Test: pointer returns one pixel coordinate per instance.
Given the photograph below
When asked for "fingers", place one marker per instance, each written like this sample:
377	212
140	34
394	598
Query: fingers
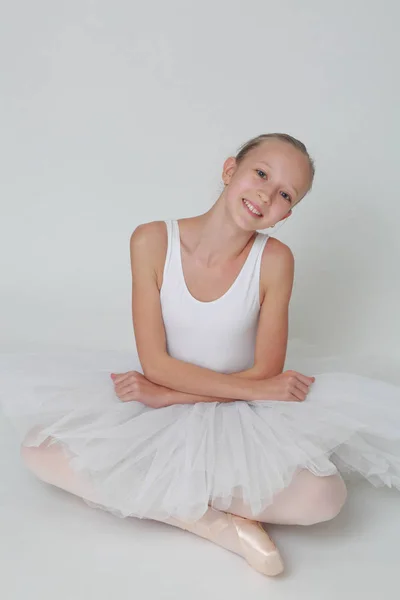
298	394
304	379
127	397
302	387
118	377
124	387
127	385
129	392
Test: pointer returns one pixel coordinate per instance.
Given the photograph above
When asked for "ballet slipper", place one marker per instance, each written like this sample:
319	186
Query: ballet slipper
258	548
239	535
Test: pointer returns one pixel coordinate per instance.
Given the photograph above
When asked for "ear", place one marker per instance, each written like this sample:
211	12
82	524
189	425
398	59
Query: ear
228	169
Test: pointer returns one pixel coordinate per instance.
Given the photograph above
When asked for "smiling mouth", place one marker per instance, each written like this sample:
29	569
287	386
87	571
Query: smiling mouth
251	208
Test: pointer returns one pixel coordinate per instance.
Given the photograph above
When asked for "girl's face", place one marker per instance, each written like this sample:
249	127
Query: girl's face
266	185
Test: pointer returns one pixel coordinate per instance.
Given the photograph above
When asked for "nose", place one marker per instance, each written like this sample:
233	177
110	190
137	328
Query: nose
265	197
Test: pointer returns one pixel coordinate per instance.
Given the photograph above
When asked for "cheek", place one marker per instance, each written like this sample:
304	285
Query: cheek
234	192
242	187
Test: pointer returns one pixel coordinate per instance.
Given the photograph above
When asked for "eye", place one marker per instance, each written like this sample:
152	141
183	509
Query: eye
259	171
286	196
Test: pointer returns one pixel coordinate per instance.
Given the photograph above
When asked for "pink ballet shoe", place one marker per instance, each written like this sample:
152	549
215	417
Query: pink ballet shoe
242	536
258	548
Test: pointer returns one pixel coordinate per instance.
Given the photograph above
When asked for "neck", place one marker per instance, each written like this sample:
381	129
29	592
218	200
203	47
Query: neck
213	236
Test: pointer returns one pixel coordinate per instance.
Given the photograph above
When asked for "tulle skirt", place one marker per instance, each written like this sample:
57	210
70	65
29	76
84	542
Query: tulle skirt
178	460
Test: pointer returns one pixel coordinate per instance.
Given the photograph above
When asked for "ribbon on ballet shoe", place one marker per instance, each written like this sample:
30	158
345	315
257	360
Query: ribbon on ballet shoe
258	548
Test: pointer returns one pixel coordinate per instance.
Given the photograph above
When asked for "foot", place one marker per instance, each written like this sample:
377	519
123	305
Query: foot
257	547
242	536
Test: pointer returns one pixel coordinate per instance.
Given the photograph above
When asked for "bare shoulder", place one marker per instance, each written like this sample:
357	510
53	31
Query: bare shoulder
277	264
276	251
148	247
152	234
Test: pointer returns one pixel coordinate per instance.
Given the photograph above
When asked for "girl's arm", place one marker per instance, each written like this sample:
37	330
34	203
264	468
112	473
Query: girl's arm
175	397
148	249
276	282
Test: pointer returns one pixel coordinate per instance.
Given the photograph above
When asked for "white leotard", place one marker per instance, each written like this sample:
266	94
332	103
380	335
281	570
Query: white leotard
221	334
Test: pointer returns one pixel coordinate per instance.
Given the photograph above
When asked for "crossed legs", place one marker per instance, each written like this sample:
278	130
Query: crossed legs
308	499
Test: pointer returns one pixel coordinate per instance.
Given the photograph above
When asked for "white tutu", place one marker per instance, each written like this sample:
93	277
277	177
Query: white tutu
175	461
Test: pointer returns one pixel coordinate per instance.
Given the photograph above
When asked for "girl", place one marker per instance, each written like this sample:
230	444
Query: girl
209	433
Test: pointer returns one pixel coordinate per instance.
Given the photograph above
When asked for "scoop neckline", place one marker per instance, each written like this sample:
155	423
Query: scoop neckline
231	287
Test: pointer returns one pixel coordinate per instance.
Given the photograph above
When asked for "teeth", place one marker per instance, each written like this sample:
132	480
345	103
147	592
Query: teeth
251	207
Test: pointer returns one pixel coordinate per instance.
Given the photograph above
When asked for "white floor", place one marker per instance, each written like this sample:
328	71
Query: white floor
53	546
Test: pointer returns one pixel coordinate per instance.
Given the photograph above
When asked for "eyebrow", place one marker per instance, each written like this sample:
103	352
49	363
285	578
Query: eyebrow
265	163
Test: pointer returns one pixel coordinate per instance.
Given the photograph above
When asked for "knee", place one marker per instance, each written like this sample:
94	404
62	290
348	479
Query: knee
31	457
327	498
49	463
35	458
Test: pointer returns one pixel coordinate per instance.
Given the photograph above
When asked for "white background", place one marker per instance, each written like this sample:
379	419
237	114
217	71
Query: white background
117	113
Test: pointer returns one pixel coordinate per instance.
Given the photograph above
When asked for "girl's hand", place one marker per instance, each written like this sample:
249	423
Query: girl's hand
289	386
134	386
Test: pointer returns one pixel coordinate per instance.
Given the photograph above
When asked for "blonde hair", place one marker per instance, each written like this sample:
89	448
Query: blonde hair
284	137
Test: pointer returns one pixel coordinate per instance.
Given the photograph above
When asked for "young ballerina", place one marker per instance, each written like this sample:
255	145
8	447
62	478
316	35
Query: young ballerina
209	433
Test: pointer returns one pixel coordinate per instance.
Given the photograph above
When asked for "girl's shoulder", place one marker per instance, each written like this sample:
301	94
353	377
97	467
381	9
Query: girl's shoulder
148	245
274	249
151	232
277	263
150	236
